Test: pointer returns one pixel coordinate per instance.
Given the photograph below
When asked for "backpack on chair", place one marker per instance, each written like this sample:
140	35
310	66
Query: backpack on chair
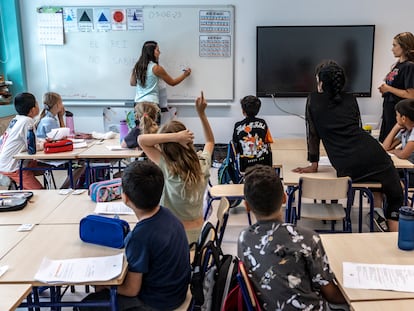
213	273
229	173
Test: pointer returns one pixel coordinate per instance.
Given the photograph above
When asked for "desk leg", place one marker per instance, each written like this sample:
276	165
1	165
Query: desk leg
113	299
370	196
406	183
87	173
290	191
21	174
70	174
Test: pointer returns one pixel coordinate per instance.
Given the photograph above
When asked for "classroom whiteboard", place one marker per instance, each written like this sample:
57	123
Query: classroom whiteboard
96	65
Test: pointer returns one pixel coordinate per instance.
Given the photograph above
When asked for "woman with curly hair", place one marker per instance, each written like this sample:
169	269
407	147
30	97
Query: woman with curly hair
185	171
333	117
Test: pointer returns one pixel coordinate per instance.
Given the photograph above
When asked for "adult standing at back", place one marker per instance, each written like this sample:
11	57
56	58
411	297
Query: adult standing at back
147	73
333	117
399	82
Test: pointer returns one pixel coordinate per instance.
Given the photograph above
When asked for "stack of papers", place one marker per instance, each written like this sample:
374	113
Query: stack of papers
114	208
115	147
80	270
379	276
79	143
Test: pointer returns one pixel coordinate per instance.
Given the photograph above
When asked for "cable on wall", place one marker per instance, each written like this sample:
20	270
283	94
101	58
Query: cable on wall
285	111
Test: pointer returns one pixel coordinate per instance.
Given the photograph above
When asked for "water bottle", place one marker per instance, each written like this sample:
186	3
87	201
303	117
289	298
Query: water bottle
123	130
406	228
69	123
31	141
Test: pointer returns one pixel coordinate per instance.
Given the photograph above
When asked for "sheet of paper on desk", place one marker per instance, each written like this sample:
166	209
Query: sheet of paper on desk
115	147
324	161
79	270
115	208
379	276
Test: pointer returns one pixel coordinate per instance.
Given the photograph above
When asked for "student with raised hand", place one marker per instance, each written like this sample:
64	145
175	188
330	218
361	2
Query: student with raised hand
287	264
402	134
156	249
51	116
333	117
147	72
186	172
399	82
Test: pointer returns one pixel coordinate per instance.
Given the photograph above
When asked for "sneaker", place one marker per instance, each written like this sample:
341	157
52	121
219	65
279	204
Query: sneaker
380	223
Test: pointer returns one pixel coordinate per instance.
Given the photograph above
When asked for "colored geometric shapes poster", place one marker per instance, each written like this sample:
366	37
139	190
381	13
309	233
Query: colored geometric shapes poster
102	19
85	19
70	19
119	19
135	19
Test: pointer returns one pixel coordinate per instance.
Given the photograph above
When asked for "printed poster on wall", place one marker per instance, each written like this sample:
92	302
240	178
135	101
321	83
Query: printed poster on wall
50	25
85	19
135	19
119	19
70	20
102	19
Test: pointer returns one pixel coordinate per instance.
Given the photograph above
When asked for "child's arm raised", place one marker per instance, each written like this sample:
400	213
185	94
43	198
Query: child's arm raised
201	105
149	142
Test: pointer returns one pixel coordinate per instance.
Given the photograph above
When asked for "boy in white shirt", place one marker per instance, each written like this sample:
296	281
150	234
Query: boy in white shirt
14	140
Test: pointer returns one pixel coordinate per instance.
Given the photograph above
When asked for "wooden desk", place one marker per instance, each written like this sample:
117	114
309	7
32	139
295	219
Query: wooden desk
54	242
373	248
40	155
9	238
72	210
99	150
39	207
383	305
11	295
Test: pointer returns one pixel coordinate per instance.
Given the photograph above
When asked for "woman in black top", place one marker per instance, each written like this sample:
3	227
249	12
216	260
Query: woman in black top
333	117
399	82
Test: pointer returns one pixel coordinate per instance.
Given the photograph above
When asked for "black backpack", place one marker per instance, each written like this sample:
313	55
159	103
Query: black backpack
229	173
213	273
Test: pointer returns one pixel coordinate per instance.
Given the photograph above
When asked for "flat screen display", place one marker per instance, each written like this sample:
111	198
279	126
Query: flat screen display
288	55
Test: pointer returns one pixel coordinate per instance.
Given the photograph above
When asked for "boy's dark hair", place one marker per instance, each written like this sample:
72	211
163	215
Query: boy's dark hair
263	189
405	107
23	103
251	105
143	183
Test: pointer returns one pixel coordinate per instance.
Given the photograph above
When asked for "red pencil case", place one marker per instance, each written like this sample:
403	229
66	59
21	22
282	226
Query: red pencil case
58	146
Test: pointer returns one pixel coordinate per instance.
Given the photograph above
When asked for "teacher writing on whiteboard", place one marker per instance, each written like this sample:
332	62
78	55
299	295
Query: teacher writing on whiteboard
146	74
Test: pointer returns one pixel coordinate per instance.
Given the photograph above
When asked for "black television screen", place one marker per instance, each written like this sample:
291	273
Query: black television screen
287	56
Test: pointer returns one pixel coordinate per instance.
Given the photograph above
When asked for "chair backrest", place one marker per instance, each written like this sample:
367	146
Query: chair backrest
325	188
222	217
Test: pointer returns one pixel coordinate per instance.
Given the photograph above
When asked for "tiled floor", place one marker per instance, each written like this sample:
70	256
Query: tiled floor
237	221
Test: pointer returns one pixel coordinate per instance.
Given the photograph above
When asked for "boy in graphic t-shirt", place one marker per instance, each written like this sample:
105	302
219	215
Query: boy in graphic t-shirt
251	136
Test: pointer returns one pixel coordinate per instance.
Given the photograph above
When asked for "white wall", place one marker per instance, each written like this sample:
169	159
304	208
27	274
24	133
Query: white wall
390	18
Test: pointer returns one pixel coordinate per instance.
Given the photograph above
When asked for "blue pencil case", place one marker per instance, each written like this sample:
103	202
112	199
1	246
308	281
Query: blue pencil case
104	231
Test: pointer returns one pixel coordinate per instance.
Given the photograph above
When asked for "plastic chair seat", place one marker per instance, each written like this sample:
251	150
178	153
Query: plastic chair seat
323	211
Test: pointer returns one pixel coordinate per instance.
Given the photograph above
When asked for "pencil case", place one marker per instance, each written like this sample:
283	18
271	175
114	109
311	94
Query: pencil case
106	190
14	201
58	146
104	231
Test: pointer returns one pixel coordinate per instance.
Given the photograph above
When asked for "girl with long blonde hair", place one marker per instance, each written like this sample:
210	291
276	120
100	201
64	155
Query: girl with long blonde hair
185	171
